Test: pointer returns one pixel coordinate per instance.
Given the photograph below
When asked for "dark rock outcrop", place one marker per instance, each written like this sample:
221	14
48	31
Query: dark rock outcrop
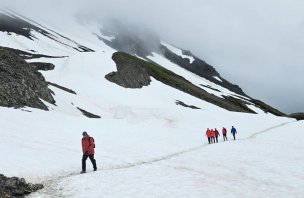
88	114
200	68
16	187
298	116
27	55
42	66
62	88
13	23
130	74
20	84
185	105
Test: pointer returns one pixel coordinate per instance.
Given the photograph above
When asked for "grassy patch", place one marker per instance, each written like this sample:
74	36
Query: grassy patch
178	82
267	108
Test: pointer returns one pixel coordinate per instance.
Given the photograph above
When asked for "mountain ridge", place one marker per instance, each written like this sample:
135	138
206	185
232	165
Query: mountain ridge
133	45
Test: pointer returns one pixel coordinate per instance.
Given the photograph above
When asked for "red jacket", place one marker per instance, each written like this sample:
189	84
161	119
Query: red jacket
208	133
224	131
212	133
88	145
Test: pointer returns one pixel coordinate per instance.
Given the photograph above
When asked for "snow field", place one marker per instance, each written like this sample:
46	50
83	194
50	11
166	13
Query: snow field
146	145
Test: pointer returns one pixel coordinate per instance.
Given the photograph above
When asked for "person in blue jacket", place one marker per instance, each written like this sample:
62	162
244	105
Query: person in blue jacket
233	132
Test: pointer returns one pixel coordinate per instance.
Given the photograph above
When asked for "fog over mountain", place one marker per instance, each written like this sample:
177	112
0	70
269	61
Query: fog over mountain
257	44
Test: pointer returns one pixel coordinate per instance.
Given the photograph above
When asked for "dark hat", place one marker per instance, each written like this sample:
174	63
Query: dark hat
84	133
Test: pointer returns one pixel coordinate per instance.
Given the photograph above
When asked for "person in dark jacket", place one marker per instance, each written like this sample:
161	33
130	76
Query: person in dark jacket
233	132
224	132
88	151
216	134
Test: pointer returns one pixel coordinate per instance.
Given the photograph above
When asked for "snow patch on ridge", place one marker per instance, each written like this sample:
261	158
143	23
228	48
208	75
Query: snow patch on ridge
177	51
108	38
217	78
193	78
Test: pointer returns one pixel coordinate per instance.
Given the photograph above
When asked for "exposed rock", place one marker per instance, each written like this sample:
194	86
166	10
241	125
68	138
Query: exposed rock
11	23
185	105
62	88
16	187
124	60
298	116
20	84
262	105
42	66
200	68
209	87
129	39
27	55
88	114
130	74
143	43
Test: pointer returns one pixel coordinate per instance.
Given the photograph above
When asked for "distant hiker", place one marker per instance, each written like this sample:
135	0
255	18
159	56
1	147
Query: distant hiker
224	132
212	136
233	132
208	134
88	146
216	134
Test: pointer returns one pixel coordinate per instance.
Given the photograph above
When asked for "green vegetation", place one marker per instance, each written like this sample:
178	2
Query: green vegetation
171	79
267	108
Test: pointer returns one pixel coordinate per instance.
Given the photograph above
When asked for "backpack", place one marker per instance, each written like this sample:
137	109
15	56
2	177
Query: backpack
93	141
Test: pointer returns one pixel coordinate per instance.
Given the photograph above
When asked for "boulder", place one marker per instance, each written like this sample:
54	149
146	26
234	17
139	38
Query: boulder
16	187
298	116
130	74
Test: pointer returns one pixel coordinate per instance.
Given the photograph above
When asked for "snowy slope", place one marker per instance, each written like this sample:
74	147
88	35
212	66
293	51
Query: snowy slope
146	145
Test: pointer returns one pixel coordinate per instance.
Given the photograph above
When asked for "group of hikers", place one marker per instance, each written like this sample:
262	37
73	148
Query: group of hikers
88	144
213	134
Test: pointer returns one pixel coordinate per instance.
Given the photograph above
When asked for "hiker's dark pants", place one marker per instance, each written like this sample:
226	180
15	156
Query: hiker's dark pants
216	138
233	135
84	159
209	140
212	140
225	137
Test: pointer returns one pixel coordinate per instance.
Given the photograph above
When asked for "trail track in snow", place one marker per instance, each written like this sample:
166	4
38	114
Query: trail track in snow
50	184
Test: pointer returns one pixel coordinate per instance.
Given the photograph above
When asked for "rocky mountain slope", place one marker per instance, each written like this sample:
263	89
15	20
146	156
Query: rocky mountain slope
128	71
21	84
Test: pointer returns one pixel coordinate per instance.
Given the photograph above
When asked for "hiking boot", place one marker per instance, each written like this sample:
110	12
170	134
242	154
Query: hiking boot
95	169
83	172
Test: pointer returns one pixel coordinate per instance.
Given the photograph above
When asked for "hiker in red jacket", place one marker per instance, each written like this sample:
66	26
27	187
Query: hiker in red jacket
212	136
88	145
224	132
208	134
216	134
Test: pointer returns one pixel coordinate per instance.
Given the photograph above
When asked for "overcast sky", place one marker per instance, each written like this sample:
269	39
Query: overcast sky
257	44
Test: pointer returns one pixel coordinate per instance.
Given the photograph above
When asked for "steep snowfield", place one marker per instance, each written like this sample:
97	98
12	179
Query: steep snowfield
146	145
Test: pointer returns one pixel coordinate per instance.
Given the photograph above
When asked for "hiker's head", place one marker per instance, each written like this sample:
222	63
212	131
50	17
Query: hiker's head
84	134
